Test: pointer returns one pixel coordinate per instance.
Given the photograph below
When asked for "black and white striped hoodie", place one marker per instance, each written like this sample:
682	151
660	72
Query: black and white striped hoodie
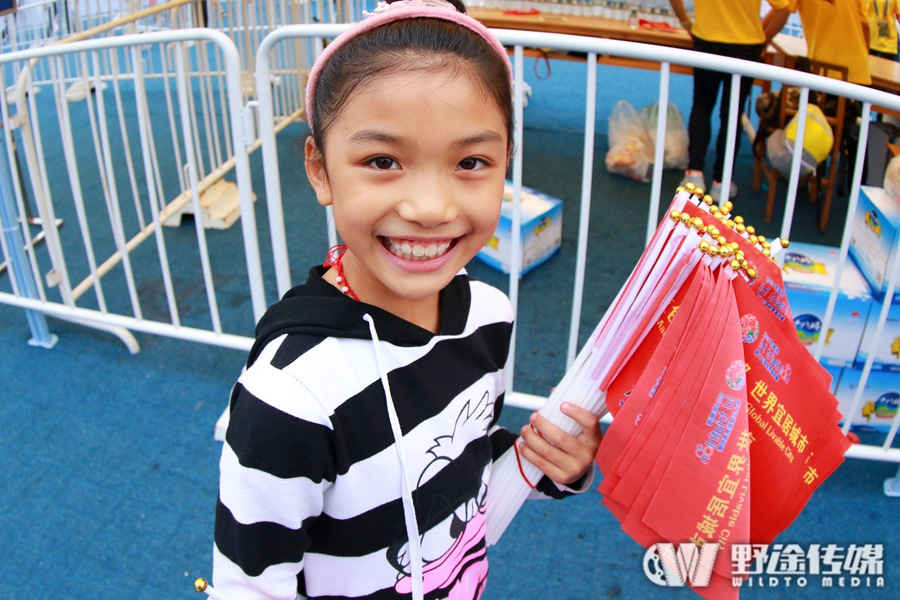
312	501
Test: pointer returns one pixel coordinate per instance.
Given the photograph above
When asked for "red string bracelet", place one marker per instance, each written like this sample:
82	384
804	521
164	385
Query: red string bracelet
519	461
333	260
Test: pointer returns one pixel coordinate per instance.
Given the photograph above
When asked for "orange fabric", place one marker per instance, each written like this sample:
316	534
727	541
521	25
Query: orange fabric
831	37
731	22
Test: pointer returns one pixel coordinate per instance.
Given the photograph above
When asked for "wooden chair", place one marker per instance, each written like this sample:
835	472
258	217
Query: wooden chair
820	178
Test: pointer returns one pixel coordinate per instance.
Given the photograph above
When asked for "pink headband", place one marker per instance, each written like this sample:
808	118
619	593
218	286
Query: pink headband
387	13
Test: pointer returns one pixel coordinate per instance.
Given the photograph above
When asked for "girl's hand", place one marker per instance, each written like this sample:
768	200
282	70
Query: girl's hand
562	457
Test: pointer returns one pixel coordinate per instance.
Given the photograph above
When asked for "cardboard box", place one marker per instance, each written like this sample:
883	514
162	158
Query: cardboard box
878	404
835	373
874	232
887	350
541	231
809	272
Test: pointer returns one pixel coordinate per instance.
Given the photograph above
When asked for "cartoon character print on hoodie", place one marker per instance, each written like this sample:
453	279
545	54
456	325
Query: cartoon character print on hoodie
454	551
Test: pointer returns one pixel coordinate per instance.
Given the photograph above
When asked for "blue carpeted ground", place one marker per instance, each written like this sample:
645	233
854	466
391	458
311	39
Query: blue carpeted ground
109	469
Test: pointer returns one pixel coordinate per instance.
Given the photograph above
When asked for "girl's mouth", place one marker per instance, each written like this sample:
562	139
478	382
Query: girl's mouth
417	250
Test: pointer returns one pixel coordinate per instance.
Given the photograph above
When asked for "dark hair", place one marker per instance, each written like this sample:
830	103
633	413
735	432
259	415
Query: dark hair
409	45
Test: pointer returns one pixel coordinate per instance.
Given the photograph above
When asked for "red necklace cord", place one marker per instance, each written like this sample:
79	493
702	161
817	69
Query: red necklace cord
519	461
333	260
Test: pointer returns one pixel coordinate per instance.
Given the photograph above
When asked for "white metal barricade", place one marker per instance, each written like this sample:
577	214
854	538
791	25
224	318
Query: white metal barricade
248	23
42	22
592	47
140	179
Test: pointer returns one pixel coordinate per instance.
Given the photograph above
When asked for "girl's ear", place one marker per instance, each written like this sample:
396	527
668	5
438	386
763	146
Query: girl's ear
315	172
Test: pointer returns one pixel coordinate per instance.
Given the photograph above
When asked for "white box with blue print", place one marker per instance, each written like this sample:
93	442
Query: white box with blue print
875	230
879	402
809	272
541	228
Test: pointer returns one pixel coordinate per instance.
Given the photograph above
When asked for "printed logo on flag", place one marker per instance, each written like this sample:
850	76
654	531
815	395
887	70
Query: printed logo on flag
786	565
721	419
668	566
736	375
749	328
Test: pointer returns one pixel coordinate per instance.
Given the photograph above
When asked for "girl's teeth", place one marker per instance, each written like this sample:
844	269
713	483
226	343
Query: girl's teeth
418	252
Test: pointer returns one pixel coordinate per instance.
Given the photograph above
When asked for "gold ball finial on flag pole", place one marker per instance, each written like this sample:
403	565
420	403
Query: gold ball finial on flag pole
738	220
751	230
785	242
200	585
753	239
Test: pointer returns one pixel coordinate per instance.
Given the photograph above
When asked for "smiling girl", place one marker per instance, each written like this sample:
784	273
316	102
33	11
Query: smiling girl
362	434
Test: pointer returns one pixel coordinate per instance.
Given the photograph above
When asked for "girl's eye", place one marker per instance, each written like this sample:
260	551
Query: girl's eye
471	164
383	163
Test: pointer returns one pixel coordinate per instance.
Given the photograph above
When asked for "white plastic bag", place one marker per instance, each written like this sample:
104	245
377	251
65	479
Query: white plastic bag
630	147
675	155
892	178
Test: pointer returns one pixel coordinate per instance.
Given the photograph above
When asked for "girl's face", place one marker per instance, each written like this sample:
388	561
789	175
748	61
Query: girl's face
414	170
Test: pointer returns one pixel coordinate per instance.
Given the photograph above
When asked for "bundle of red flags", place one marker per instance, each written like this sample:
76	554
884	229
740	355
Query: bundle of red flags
724	423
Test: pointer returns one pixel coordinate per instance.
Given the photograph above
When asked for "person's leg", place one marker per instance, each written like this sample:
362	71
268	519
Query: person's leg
706	92
751	52
886	55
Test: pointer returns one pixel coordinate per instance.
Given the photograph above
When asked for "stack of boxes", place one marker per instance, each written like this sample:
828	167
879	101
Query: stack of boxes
809	272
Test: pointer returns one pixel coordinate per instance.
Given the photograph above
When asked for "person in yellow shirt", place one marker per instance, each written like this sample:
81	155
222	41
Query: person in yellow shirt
732	29
883	16
833	36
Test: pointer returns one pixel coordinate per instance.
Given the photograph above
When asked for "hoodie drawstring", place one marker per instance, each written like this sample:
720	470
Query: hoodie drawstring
409	509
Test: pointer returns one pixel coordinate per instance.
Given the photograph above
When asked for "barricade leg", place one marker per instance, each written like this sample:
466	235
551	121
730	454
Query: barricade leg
37	322
892	486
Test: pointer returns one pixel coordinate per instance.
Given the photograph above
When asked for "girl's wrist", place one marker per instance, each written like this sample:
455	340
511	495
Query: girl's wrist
687	23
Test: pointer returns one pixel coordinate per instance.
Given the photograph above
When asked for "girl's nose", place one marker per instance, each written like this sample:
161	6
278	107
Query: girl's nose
429	207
